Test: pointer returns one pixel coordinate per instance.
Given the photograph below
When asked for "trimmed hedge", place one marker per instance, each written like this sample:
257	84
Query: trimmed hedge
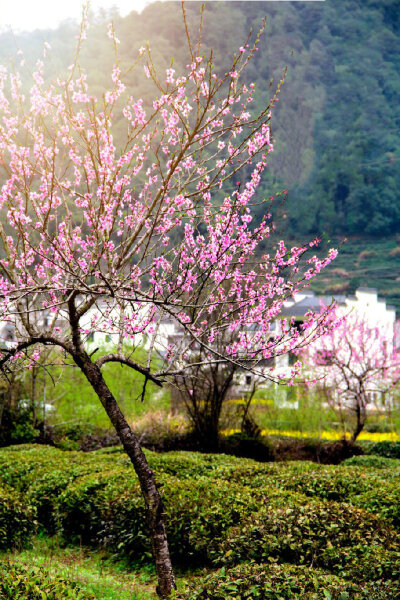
35	584
96	499
17	519
220	509
249	581
347	541
383	500
387	449
107	509
372	460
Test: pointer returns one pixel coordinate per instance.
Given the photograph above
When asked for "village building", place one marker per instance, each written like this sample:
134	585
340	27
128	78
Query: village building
366	302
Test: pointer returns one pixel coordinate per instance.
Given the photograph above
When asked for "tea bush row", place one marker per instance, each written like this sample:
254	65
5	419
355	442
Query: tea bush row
97	500
23	583
17	519
221	510
387	449
338	537
250	581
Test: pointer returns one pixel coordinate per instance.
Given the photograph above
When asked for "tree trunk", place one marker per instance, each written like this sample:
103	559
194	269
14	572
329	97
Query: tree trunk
206	433
361	418
2	405
33	393
154	505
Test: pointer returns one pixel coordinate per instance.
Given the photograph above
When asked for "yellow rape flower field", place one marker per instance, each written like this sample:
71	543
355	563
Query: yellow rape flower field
326	435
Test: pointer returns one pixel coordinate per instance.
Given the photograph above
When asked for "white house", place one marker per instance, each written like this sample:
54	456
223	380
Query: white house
365	304
100	325
7	335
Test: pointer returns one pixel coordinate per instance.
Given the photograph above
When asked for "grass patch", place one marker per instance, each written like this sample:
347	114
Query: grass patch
94	572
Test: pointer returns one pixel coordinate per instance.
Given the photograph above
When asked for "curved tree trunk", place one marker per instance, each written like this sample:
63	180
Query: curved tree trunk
361	417
152	498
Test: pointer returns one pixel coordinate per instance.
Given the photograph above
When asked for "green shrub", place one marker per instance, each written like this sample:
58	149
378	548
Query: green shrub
383	500
16	427
23	583
191	465
20	465
378	427
387	449
95	498
372	460
219	508
103	508
249	581
41	473
107	509
327	482
200	513
17	519
344	539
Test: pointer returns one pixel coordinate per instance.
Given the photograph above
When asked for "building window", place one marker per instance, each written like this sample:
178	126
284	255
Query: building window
248	379
268	362
298	325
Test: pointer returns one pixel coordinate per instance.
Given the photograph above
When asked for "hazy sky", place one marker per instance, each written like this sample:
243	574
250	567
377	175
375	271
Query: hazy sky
27	15
42	14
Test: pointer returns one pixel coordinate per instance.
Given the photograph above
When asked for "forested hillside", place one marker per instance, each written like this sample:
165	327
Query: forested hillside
336	126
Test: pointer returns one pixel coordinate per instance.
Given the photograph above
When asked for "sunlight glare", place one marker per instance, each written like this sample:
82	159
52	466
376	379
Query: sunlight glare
25	15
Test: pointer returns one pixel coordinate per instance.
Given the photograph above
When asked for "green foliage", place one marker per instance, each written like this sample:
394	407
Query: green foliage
222	511
387	449
104	508
22	583
285	582
383	500
16	427
17	519
379	271
96	499
97	575
372	460
335	536
325	482
376	490
107	509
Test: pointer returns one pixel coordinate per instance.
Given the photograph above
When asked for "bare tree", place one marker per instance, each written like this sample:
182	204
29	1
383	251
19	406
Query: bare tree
203	390
356	366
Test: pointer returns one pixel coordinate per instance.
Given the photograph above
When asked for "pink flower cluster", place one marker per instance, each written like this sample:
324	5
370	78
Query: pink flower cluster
147	226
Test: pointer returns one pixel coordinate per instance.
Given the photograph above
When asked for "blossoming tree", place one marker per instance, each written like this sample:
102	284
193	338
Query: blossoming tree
158	227
356	365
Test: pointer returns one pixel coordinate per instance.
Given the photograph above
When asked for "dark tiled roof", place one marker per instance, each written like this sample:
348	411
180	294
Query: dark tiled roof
311	303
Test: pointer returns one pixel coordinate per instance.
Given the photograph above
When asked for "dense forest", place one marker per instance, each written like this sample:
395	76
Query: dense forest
336	126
